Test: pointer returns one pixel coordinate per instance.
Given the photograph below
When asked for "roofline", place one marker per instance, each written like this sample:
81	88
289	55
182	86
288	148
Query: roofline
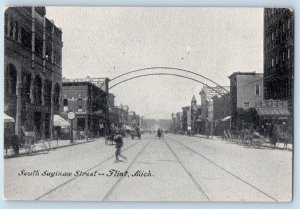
244	73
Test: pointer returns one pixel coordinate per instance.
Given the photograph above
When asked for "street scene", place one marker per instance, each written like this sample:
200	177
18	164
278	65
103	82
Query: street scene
148	104
181	168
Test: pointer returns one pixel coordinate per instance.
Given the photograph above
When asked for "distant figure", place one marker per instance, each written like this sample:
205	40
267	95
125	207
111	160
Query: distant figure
119	145
273	135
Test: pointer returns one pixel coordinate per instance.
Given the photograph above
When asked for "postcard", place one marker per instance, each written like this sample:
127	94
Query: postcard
148	104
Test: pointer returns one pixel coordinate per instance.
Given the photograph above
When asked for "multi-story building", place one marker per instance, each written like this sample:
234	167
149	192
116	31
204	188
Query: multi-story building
246	89
278	54
89	103
221	113
133	119
207	93
33	71
186	118
122	112
207	111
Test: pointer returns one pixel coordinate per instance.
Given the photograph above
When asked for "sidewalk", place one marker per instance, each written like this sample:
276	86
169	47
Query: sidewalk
55	144
279	145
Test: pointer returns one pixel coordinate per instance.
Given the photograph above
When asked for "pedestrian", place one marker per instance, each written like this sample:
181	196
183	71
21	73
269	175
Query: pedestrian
119	145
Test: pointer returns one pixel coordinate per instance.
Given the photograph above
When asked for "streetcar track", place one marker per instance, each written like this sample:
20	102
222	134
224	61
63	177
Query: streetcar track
188	173
93	167
108	194
227	171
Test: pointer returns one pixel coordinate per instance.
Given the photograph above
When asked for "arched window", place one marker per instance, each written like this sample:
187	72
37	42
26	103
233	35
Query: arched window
47	92
11	79
26	81
56	96
37	90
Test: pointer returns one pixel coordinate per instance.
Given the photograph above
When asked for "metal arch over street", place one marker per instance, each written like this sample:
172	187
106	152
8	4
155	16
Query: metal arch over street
168	74
167	68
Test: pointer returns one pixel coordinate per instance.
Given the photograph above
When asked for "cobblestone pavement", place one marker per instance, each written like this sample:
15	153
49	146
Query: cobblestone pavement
176	168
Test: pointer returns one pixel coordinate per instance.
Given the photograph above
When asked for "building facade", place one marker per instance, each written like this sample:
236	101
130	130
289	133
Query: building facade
221	113
89	103
278	54
207	107
246	89
33	70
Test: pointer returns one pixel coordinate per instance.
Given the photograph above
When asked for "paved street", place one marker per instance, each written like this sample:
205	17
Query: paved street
178	168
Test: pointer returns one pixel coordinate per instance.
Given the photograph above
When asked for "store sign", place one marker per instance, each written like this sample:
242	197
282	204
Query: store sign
272	104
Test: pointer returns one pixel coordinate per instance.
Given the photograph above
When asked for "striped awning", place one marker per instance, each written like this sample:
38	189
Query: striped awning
273	112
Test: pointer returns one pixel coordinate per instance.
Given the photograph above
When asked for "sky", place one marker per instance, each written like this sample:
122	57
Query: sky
109	41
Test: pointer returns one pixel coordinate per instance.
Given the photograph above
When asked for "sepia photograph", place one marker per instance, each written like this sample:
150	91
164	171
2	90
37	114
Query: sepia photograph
189	104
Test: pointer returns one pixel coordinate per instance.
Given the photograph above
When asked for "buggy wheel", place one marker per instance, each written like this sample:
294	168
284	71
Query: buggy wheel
10	151
28	149
46	147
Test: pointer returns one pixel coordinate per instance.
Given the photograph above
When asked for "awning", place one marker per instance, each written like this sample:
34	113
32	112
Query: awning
273	112
226	118
8	119
59	121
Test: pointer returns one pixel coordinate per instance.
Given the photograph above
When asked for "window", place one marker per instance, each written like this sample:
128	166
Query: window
257	90
26	38
16	35
246	104
6	24
272	62
283	56
289	24
289	53
65	103
273	36
38	46
11	28
79	103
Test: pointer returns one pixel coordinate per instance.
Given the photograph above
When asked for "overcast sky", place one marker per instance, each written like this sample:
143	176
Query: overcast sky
106	42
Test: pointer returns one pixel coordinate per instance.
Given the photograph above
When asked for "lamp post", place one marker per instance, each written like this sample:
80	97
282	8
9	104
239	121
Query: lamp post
71	116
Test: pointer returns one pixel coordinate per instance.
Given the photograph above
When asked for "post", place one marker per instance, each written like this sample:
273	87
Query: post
71	139
211	129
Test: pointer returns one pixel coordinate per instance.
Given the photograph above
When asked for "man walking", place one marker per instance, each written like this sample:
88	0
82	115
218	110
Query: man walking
119	145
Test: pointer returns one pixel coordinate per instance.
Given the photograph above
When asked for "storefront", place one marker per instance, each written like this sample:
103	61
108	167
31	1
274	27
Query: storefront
274	113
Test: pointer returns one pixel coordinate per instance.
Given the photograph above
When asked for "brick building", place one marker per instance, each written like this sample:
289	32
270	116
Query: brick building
221	111
32	69
246	89
89	103
207	107
278	54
